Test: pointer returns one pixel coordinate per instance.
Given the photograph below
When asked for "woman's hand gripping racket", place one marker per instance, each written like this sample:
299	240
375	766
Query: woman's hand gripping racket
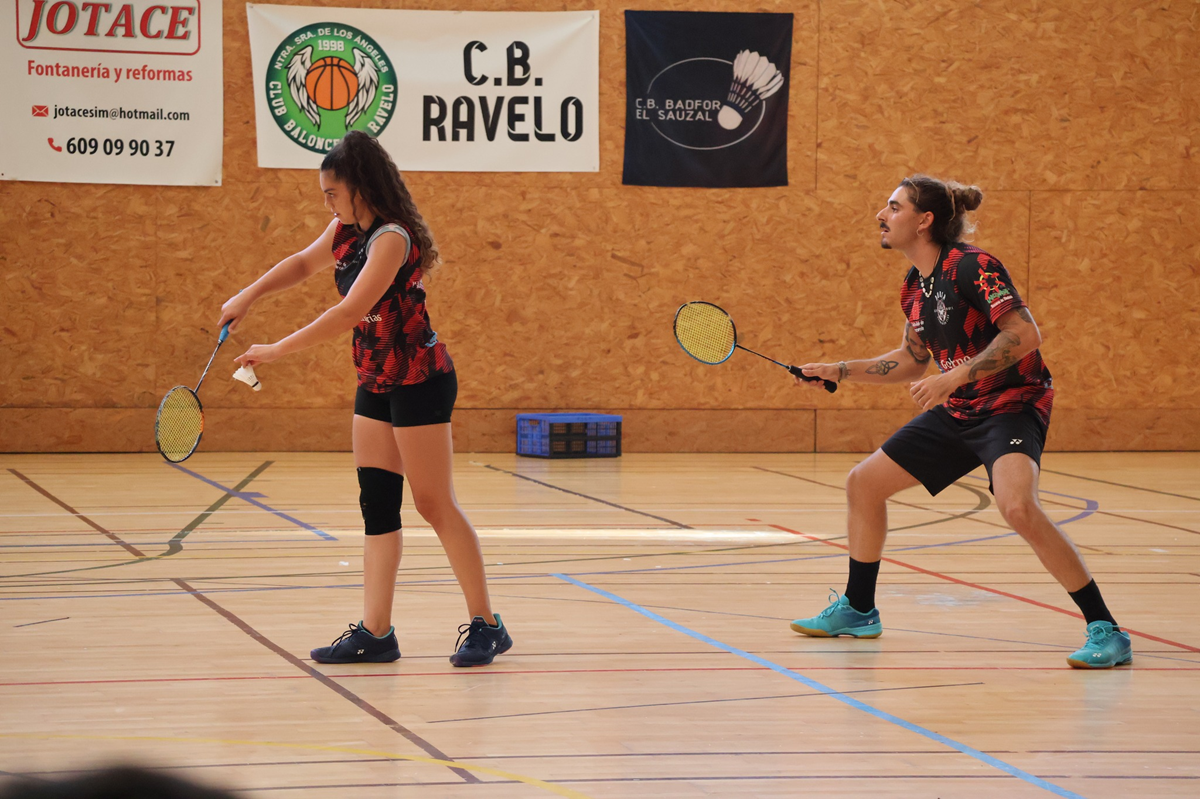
707	334
180	420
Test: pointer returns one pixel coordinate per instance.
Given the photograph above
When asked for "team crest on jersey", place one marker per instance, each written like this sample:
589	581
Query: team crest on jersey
991	287
943	313
327	79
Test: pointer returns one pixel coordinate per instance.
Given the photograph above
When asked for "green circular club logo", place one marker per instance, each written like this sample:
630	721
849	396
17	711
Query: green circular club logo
327	79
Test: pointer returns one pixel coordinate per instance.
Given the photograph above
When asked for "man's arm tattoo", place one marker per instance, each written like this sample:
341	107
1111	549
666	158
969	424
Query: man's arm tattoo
882	367
915	347
997	357
1025	314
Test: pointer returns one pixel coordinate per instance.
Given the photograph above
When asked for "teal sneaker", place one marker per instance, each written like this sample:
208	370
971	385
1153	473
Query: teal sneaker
841	619
1106	647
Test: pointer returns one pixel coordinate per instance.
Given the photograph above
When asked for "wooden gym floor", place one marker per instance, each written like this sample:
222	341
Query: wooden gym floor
164	615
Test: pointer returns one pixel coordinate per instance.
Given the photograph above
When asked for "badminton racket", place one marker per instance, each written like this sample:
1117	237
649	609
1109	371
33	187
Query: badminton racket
706	332
180	420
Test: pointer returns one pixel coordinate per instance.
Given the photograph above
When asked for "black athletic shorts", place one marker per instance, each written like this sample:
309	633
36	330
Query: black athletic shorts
937	449
420	404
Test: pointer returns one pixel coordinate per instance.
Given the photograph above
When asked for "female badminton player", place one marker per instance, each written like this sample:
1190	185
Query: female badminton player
380	248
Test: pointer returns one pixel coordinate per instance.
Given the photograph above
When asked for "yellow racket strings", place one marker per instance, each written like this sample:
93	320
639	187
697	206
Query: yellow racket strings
180	423
705	332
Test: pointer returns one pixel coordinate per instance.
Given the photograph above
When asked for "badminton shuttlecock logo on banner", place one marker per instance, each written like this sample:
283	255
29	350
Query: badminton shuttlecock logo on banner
754	79
707	98
327	79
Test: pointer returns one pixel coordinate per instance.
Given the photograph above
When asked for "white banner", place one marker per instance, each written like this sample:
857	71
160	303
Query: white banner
444	91
120	92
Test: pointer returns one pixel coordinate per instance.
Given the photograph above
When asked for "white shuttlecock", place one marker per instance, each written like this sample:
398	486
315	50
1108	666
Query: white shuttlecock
754	79
246	375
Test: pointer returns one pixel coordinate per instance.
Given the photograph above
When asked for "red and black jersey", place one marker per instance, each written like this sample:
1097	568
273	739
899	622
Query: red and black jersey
955	313
394	344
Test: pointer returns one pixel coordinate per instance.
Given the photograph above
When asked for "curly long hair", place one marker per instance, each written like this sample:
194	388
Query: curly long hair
949	201
369	172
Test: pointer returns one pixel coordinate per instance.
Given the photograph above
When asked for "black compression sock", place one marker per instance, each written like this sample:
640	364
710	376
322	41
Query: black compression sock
860	588
1091	604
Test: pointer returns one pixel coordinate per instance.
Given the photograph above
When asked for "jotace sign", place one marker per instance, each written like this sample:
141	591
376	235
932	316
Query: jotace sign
104	92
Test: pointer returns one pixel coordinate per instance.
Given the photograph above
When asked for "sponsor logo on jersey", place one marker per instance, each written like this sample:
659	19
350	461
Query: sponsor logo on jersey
991	287
943	313
948	364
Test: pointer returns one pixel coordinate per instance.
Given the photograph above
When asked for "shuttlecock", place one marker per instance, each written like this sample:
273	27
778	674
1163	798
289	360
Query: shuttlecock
754	80
246	375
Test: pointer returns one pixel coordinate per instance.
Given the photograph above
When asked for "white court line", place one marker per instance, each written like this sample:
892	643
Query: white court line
756	509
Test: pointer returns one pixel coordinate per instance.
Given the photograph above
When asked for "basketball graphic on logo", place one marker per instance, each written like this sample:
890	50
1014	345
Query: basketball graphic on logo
331	83
327	79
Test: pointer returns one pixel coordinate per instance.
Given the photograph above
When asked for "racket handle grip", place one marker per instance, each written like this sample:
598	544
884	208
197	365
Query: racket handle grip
224	332
830	386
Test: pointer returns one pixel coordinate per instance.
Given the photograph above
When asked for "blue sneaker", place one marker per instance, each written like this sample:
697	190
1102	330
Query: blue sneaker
1106	647
841	619
356	645
483	642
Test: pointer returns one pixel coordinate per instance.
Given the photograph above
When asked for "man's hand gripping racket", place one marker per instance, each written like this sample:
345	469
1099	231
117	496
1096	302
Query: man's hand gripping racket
707	334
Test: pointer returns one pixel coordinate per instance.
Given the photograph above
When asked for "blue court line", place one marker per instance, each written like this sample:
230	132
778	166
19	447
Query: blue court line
831	692
957	543
252	498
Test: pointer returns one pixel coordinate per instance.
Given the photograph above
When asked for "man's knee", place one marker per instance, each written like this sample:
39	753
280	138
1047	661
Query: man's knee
1021	513
863	484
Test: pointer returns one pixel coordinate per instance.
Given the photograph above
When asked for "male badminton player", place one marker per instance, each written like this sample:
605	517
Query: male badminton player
380	248
989	404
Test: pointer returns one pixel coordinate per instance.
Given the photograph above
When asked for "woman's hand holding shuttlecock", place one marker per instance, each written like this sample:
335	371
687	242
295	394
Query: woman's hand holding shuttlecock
258	353
246	375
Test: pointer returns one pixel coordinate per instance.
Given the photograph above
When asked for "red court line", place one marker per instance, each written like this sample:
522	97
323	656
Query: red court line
502	672
979	587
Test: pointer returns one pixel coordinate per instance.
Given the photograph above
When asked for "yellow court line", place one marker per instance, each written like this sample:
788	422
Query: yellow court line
558	790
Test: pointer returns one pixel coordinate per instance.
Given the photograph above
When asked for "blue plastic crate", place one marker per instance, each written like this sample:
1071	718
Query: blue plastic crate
569	435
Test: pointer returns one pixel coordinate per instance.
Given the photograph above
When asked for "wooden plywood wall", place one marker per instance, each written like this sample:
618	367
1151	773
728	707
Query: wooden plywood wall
1078	119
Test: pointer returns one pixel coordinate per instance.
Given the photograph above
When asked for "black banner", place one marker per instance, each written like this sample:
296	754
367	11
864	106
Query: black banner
706	98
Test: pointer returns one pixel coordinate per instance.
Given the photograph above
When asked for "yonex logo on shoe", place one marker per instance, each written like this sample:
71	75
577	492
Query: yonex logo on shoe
1016	441
361	651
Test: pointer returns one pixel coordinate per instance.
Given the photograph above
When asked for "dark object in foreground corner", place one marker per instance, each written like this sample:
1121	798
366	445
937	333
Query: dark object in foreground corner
119	782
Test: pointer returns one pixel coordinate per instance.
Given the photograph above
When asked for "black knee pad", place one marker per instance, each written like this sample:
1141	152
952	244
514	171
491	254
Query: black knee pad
380	494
